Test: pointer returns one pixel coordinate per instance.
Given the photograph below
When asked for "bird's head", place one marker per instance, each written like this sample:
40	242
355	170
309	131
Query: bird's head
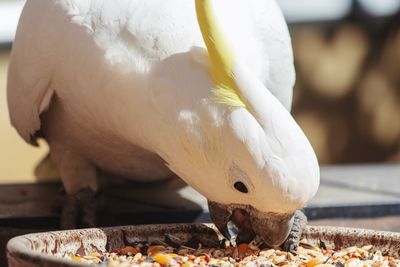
252	161
265	168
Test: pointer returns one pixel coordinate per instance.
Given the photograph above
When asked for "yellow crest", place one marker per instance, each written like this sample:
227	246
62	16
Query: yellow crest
221	56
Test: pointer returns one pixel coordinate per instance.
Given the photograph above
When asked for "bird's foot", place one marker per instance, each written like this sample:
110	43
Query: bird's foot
79	210
293	240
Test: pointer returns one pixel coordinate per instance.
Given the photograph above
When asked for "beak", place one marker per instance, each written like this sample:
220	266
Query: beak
248	222
232	223
273	228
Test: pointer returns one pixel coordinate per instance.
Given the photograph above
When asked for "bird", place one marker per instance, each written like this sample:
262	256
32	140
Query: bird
200	89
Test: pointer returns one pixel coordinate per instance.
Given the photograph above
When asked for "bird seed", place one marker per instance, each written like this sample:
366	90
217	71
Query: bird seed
248	255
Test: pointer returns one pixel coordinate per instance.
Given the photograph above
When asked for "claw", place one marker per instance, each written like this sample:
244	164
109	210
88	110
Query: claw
290	246
293	240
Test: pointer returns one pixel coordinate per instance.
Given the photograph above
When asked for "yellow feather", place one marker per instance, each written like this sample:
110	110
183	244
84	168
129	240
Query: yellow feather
221	57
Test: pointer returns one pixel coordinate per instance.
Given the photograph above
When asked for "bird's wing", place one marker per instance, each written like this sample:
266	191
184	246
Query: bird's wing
29	75
27	99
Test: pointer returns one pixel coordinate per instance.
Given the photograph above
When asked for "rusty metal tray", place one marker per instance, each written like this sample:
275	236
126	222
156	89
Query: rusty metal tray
46	249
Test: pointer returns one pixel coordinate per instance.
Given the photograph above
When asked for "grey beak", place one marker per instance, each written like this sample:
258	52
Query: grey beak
271	227
220	216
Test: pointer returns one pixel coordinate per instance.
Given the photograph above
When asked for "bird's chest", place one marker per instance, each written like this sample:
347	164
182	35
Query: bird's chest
126	159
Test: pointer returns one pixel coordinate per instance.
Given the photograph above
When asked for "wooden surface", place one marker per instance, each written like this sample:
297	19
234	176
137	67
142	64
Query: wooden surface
28	208
341	186
25	201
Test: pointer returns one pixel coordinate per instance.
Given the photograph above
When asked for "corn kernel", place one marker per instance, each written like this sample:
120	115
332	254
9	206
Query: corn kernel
162	259
313	262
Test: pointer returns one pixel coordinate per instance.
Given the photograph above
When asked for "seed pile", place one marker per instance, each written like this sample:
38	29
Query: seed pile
249	255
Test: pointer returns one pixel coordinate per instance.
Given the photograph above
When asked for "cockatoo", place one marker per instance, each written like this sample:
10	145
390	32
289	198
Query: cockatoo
148	89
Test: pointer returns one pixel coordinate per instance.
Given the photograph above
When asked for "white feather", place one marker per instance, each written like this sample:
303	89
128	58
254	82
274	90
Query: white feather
129	97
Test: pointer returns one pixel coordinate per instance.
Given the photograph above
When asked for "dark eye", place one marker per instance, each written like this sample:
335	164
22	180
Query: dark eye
241	187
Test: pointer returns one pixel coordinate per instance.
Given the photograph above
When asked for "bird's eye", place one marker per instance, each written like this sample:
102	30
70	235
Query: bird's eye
241	187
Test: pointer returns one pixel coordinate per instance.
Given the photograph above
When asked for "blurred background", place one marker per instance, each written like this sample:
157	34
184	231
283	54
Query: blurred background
347	96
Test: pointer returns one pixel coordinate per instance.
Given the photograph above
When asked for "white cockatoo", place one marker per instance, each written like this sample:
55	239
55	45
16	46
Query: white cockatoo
148	89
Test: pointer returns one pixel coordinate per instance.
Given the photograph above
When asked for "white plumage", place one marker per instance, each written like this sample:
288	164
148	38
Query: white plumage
127	90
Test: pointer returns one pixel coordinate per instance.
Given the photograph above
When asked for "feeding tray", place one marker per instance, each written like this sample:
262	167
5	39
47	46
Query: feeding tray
47	249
